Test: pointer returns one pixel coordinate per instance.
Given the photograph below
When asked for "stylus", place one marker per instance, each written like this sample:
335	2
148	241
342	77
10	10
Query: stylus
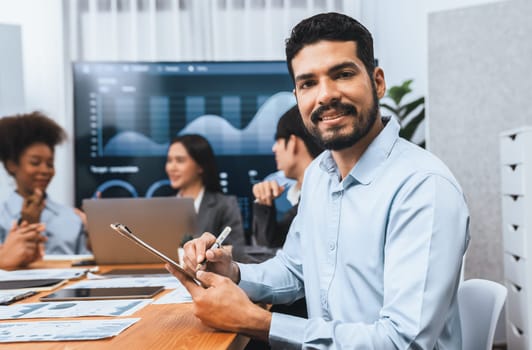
217	244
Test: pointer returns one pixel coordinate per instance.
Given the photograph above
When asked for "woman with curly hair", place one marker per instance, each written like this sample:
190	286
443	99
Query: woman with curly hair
27	144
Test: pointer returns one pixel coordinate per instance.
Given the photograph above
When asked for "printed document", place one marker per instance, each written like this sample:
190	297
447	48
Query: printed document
73	309
63	330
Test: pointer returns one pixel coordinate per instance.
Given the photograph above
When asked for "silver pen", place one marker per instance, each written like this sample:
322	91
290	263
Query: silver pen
217	244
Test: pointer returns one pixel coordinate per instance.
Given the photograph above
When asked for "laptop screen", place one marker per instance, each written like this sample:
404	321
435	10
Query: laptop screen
161	222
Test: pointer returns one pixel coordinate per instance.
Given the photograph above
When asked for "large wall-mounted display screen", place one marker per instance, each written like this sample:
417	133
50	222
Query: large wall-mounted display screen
126	113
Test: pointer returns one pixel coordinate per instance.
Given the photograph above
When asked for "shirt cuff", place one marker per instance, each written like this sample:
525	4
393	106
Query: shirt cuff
246	281
286	332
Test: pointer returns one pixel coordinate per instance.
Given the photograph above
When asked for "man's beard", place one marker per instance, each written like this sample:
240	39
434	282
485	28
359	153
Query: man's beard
338	141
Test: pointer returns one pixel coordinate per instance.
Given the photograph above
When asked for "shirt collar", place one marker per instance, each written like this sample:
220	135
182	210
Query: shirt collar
14	204
293	193
197	200
367	166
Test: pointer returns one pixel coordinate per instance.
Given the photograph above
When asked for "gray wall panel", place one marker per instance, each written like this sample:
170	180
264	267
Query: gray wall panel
480	83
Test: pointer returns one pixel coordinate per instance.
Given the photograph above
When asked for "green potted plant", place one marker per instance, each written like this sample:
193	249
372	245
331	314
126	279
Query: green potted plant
409	114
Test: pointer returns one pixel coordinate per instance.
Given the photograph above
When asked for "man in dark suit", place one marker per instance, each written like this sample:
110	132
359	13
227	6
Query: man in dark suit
294	149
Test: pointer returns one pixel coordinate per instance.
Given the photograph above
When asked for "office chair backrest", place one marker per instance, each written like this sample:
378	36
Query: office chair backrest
480	303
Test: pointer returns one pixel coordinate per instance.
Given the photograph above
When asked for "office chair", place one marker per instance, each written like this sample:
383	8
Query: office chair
480	303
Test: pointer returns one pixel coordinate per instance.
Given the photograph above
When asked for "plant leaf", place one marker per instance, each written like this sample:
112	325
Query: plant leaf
409	107
396	93
392	109
408	130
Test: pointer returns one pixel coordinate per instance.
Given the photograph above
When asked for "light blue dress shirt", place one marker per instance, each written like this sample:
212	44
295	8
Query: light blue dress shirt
377	255
64	228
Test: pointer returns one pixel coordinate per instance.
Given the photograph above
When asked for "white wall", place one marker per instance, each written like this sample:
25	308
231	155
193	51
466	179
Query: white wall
400	36
11	85
443	5
44	74
11	75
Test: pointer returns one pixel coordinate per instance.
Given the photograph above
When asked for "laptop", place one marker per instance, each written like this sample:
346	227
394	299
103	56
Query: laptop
162	222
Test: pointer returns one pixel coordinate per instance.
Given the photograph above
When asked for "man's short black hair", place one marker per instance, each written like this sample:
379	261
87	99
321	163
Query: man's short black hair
331	26
291	123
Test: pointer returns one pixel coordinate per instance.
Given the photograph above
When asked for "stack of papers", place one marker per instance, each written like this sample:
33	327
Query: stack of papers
81	329
73	309
68	257
64	274
37	279
63	330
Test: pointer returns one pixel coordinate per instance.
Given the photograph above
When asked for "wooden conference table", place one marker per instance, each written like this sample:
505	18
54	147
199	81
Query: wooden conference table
168	326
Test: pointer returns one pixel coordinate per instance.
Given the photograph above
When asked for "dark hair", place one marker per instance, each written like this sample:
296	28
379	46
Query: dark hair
331	27
291	123
20	131
201	151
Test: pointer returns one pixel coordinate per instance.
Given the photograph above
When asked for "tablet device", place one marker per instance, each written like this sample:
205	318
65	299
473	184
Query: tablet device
102	293
126	232
34	284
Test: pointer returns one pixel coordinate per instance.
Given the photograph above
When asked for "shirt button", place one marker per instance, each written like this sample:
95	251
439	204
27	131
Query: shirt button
331	246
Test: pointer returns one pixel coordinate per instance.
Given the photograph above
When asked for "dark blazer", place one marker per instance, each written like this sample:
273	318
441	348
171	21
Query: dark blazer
217	211
269	233
267	230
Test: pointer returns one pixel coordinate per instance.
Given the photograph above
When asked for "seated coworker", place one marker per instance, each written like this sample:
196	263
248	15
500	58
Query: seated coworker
381	229
191	168
27	143
294	150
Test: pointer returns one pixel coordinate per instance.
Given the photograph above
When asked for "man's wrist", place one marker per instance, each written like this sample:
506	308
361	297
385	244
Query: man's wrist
258	323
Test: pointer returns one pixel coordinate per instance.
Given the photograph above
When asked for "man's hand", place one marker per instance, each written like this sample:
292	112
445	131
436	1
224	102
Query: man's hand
33	206
23	245
265	192
223	305
219	260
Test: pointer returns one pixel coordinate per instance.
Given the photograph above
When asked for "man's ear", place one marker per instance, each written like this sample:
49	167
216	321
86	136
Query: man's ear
293	143
380	83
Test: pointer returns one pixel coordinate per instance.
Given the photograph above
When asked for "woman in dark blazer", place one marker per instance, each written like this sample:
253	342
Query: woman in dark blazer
191	168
